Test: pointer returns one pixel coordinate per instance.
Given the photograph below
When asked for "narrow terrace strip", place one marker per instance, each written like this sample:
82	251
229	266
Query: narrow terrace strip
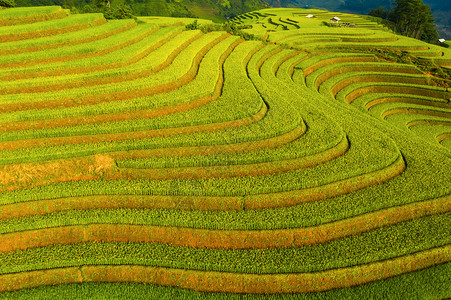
329	61
399	45
360	90
443	136
44	207
409	100
281	36
283	59
209	281
321	75
34	62
428	122
338	84
134	135
408	110
22	175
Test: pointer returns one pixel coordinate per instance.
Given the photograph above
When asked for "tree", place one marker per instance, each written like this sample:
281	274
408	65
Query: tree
7	3
380	12
414	19
121	12
355	5
100	5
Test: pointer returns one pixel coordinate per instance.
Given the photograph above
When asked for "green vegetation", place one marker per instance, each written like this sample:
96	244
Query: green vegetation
383	9
121	12
7	3
425	283
428	283
411	18
268	157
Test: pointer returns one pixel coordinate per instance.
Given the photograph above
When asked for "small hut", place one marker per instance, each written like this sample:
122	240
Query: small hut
441	41
310	16
335	20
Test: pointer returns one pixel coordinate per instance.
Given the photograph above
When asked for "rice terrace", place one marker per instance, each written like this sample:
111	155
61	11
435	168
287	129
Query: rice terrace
159	158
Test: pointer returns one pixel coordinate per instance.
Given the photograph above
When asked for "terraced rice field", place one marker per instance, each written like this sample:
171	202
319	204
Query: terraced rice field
141	160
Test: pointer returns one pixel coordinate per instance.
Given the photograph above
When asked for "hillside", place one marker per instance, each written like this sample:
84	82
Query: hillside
140	160
216	10
222	10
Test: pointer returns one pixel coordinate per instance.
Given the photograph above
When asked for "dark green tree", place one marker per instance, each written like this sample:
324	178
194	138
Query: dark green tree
7	3
123	12
414	19
381	12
